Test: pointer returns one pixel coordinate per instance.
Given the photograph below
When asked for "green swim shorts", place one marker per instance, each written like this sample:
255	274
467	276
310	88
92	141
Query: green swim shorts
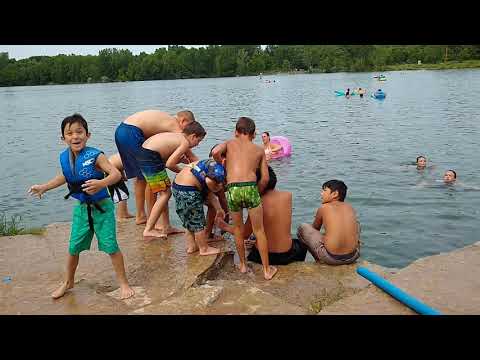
242	195
104	224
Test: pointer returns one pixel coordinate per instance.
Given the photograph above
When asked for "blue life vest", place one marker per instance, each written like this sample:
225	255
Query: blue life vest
83	169
200	172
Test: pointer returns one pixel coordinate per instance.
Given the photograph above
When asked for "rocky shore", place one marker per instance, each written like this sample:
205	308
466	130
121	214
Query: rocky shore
168	281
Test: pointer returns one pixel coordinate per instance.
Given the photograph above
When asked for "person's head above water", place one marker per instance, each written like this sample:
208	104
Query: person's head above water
266	137
421	161
272	181
449	177
245	126
333	190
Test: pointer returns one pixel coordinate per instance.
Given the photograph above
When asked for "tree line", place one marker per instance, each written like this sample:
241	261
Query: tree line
179	62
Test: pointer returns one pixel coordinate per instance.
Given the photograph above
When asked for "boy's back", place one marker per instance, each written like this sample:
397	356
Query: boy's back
341	228
153	122
165	143
243	159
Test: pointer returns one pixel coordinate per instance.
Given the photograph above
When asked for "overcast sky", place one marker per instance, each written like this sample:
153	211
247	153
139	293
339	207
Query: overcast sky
25	51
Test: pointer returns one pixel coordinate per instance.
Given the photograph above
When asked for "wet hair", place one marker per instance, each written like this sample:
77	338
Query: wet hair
195	128
336	185
211	150
245	126
421	156
272	181
187	114
454	173
266	132
73	119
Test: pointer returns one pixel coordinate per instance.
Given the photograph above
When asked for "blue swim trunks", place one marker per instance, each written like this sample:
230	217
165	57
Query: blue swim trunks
129	140
189	206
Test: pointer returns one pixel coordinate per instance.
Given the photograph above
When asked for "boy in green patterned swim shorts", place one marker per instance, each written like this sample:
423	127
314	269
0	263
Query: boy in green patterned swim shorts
243	158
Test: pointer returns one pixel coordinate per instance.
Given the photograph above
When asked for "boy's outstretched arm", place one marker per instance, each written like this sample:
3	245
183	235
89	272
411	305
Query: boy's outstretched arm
318	221
191	156
264	176
218	151
93	186
39	190
177	156
213	200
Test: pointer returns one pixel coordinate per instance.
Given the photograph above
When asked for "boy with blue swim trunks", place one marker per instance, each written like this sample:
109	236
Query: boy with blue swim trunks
83	170
243	158
193	187
129	137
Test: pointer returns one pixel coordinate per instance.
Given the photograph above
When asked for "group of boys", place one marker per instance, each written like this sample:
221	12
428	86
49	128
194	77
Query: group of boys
149	142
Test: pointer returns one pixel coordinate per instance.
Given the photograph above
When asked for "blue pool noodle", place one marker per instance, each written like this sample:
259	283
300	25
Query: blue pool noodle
395	292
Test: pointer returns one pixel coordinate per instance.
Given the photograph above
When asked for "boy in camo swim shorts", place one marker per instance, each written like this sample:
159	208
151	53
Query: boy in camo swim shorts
243	158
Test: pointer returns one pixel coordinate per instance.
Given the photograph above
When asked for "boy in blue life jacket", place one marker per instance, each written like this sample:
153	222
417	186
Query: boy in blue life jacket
193	187
83	170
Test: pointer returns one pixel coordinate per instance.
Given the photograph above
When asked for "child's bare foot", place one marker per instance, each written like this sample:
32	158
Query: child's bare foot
272	270
150	235
192	248
62	289
140	220
243	268
210	251
125	216
126	291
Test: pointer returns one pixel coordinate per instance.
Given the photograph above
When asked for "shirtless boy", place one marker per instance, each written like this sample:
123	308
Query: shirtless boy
161	151
340	243
243	158
129	137
192	187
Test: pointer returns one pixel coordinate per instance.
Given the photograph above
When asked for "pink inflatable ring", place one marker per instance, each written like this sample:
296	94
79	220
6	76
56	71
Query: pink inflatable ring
286	146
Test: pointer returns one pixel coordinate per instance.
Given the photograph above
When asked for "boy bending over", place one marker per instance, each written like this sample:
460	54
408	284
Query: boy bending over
161	151
243	158
83	170
191	187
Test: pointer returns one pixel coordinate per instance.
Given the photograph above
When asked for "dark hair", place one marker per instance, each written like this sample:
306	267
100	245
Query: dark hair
336	185
266	132
245	126
272	181
75	118
195	128
454	173
188	114
421	156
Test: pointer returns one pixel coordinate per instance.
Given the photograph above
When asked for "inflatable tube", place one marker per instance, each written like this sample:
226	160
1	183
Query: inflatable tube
379	95
286	146
396	293
342	93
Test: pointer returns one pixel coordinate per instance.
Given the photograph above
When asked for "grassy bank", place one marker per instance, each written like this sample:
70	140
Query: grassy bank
14	227
469	64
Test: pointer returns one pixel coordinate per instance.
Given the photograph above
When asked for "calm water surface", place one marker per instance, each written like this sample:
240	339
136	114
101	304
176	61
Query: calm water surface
365	142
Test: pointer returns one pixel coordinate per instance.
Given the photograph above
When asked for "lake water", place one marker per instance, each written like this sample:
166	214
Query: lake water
365	142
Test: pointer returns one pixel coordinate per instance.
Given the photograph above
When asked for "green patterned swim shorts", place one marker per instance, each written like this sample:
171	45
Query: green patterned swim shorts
242	195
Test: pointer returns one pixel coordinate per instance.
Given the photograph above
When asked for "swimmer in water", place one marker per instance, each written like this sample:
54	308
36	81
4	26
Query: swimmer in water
449	177
421	162
270	149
